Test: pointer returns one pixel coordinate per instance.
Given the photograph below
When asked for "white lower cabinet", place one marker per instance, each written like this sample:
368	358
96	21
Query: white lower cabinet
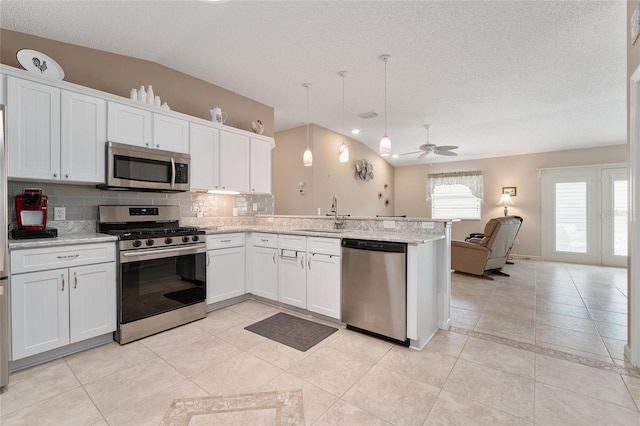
264	265
292	270
324	276
52	308
225	266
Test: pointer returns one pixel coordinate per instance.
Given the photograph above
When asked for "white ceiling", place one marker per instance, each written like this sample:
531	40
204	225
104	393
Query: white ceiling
493	77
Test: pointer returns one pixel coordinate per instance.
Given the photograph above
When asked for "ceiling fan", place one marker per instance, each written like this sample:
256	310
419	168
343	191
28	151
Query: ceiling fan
428	148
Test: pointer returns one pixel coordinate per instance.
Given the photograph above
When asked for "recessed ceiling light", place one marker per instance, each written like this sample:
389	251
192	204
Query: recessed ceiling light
395	156
355	131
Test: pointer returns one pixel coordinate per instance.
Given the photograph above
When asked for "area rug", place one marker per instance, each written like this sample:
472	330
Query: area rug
279	408
294	332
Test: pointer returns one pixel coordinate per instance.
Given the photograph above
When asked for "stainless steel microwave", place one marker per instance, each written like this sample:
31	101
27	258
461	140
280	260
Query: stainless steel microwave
137	168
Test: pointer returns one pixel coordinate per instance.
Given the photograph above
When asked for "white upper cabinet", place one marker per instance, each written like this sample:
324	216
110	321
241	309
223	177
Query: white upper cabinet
260	171
83	129
33	125
204	146
55	134
170	133
234	161
130	125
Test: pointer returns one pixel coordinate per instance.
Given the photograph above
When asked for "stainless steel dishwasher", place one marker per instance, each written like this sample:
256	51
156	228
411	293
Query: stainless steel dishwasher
374	288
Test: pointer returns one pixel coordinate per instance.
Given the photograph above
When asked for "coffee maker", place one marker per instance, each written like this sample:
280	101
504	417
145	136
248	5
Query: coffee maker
31	214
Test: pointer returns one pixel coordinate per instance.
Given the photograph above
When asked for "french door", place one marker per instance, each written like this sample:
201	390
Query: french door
584	215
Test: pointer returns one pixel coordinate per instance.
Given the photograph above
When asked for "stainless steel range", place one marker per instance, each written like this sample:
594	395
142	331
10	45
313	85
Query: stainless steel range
161	284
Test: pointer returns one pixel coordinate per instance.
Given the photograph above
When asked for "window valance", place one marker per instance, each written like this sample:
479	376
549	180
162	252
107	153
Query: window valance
472	180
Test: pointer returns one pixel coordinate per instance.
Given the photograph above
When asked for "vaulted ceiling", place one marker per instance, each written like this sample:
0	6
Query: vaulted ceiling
492	77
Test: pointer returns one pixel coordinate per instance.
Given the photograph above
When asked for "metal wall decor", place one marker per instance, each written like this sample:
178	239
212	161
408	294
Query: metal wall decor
364	170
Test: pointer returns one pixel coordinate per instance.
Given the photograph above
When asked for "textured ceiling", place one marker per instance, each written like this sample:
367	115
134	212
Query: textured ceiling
495	78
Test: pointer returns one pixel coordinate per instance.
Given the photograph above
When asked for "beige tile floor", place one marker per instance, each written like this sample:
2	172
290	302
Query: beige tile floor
542	347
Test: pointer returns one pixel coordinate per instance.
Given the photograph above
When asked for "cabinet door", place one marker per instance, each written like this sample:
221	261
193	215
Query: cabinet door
260	170
83	133
323	284
170	133
264	277
234	161
225	274
33	125
92	292
39	312
128	125
204	146
292	278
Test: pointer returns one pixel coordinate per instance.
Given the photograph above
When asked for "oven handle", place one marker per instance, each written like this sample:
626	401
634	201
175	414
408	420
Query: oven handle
161	253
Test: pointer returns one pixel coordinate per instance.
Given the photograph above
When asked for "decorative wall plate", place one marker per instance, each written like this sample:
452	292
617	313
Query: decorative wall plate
37	62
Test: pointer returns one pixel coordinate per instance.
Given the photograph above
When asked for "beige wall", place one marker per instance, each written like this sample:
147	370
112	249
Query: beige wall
117	74
520	171
328	177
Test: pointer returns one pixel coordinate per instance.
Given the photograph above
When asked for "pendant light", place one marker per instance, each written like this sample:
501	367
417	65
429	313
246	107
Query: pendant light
385	142
307	158
343	153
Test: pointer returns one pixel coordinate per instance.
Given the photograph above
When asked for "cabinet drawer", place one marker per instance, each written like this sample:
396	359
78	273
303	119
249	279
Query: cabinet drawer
322	245
265	240
292	242
40	259
225	240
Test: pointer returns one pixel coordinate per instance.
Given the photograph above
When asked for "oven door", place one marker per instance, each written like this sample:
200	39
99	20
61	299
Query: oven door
155	281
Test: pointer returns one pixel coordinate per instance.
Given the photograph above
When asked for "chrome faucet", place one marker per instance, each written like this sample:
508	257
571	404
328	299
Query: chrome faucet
338	223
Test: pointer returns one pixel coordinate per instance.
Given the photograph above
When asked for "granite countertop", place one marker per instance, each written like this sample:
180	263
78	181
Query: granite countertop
61	240
398	237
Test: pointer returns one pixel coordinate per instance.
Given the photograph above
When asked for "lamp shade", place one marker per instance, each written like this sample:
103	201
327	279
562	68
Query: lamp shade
343	154
307	157
505	200
385	146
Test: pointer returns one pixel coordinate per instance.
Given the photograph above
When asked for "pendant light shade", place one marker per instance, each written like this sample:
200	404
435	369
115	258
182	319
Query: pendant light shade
385	142
343	152
307	157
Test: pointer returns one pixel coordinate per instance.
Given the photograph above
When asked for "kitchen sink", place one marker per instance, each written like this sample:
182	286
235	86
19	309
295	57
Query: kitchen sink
328	231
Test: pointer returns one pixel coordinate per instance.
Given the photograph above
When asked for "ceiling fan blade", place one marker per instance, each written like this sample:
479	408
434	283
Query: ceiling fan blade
409	153
445	148
447	153
427	147
421	156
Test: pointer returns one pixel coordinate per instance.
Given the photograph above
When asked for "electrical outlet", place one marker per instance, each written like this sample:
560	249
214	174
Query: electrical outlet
388	224
235	211
255	207
428	225
59	213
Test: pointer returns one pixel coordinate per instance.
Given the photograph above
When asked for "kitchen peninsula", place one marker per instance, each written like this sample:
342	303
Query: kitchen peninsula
428	261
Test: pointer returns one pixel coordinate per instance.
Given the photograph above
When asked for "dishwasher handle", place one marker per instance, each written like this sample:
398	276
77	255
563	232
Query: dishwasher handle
384	246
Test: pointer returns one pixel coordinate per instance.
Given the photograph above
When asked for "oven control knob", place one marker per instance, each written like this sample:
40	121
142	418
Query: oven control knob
168	240
185	239
149	242
136	243
195	238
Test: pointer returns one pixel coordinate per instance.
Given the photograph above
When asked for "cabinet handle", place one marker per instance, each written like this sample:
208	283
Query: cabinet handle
62	276
274	257
264	240
147	144
66	175
225	241
309	264
75	280
208	260
302	262
55	175
68	257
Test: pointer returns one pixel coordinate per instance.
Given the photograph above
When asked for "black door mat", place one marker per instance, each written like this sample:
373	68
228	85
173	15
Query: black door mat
294	332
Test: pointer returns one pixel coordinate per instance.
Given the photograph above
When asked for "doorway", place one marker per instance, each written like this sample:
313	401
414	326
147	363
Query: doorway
584	215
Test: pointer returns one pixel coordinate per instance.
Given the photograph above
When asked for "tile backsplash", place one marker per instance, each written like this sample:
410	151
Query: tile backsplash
81	201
